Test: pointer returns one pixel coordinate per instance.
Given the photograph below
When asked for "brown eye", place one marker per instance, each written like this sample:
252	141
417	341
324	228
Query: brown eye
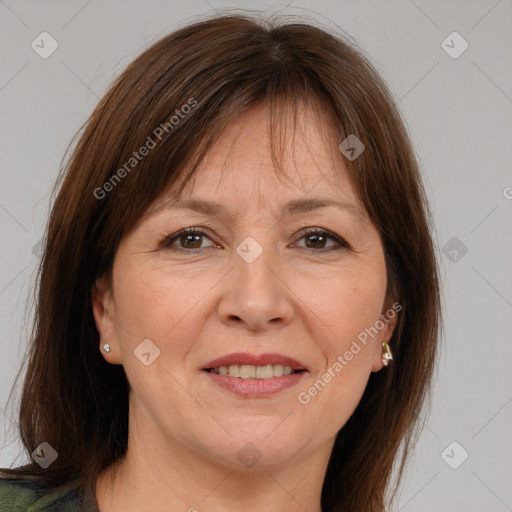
316	240
189	240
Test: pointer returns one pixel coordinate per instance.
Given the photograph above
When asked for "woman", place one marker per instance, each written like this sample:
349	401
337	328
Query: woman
238	298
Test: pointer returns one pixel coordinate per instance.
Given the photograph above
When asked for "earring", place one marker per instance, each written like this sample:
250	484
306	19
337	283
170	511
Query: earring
386	354
106	347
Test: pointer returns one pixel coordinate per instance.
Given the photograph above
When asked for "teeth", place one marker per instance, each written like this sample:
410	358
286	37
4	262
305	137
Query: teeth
264	372
278	370
247	371
234	370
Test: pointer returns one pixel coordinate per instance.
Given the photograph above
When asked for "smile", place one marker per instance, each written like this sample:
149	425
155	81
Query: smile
247	371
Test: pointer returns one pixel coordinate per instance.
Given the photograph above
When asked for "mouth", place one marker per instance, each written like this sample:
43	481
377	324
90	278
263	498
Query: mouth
255	375
251	366
247	371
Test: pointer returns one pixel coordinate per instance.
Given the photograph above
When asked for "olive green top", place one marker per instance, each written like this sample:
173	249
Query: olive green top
31	493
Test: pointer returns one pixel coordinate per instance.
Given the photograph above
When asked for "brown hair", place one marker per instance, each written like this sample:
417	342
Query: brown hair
220	66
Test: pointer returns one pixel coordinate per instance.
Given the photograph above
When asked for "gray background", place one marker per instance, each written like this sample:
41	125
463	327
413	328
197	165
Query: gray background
458	111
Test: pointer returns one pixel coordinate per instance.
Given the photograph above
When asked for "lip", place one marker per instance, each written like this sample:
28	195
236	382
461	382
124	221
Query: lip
255	388
255	360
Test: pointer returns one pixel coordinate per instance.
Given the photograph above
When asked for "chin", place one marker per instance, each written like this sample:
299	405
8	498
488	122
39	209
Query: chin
257	449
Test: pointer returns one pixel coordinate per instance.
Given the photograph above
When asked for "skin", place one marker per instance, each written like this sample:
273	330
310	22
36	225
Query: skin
302	297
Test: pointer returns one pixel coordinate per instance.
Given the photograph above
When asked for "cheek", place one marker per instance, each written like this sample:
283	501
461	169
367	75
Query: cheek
151	304
169	308
349	305
148	299
346	303
332	398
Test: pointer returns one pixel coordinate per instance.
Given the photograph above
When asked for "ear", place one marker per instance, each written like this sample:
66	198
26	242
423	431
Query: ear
389	318
104	313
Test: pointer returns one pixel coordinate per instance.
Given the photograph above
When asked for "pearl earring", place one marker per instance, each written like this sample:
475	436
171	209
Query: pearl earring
106	347
386	354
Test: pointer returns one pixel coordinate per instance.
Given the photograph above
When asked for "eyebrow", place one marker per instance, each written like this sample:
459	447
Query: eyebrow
294	207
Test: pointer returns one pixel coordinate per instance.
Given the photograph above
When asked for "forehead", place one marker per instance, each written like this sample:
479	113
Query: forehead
306	144
239	171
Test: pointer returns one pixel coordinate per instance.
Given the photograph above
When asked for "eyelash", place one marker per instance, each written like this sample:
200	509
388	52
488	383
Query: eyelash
168	241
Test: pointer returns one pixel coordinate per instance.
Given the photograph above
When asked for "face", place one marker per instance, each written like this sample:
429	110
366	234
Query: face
262	321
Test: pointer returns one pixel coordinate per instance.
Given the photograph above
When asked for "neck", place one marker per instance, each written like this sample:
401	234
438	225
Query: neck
160	476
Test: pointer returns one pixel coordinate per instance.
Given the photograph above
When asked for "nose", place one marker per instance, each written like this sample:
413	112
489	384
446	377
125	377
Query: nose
256	294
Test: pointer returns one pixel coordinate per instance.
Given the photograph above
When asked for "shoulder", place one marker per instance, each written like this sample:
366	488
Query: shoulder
31	493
